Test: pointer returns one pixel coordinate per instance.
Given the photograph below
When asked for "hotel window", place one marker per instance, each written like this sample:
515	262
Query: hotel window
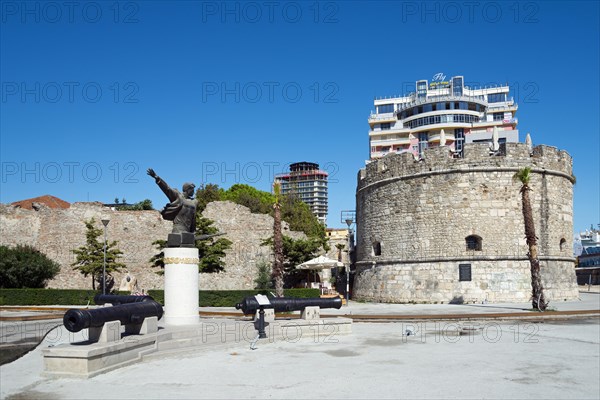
385	108
473	242
457	86
496	97
386	126
421	89
498	116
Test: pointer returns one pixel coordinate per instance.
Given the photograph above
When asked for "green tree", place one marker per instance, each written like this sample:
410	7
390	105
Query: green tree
158	260
263	279
300	218
277	272
25	267
212	250
538	300
145	204
297	251
207	194
256	200
90	257
291	209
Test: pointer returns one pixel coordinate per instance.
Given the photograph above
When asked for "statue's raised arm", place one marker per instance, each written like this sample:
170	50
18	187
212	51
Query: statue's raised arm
167	190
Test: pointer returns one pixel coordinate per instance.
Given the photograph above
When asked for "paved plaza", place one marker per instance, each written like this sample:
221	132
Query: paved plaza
543	358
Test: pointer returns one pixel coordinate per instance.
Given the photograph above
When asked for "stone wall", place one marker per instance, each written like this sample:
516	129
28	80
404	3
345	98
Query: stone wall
56	232
247	231
420	212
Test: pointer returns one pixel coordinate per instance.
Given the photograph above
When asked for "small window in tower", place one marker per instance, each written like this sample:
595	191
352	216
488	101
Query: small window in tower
563	244
376	248
473	242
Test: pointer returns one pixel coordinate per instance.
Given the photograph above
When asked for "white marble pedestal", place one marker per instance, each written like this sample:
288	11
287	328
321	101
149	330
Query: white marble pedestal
181	286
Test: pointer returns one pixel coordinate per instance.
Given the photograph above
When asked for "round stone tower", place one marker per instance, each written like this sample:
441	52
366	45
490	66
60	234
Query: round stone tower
446	229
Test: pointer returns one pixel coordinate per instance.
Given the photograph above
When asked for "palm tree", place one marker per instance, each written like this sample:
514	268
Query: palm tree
277	242
339	246
538	300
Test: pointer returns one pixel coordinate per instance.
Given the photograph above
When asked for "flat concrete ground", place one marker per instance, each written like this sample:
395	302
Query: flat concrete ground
490	360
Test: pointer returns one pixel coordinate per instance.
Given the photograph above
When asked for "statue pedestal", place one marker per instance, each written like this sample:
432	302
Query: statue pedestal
181	286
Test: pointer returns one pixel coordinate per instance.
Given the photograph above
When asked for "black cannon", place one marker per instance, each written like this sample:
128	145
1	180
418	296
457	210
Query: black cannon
281	304
130	313
117	299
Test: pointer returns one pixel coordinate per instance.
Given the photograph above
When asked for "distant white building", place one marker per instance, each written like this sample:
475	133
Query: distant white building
443	110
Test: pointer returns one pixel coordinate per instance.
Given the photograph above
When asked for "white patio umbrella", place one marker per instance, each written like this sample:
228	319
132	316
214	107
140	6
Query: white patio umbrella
442	138
320	263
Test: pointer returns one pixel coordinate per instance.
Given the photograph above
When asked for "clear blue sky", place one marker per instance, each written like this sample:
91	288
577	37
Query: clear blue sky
95	93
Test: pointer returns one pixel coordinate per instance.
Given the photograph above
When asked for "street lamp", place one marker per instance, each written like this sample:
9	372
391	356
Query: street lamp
349	222
104	222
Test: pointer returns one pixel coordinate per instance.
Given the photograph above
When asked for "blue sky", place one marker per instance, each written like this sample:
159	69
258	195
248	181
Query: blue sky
94	93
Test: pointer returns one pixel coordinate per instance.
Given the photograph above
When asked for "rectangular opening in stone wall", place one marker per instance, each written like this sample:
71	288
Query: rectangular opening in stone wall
464	272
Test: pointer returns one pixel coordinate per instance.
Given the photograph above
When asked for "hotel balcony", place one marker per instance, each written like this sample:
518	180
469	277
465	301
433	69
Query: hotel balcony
389	142
379	118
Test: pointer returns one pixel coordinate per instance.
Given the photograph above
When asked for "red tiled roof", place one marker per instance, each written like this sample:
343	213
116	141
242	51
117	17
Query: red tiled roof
50	201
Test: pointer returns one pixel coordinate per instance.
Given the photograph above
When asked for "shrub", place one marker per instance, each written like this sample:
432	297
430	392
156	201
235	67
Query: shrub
80	297
25	267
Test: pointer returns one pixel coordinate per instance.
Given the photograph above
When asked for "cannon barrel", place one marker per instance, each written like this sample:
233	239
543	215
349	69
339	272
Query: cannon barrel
131	313
280	304
117	299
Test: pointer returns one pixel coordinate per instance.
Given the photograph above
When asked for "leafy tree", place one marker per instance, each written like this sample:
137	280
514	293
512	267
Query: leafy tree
158	260
256	200
145	204
25	267
277	272
291	209
263	280
538	300
206	194
297	251
211	251
116	200
300	218
90	257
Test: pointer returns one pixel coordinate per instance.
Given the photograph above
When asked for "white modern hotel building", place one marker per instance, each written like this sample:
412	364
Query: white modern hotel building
444	111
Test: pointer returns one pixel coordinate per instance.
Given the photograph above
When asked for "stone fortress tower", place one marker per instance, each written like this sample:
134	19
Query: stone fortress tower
450	229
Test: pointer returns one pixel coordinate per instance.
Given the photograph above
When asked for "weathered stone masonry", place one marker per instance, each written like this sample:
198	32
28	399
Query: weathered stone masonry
418	214
56	232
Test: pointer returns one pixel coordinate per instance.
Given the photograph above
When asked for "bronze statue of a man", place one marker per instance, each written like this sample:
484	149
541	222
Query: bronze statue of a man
182	207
